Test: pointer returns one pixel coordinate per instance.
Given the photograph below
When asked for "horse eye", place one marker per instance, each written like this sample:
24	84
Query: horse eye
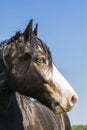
40	60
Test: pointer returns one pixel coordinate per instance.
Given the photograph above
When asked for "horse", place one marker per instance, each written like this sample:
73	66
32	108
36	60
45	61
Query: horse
26	67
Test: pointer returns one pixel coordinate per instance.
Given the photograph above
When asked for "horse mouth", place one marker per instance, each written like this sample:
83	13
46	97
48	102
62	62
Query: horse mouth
57	108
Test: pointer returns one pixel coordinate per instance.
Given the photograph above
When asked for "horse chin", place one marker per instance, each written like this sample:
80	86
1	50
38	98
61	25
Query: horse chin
60	109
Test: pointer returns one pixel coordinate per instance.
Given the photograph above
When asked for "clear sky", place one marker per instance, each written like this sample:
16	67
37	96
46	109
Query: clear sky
63	27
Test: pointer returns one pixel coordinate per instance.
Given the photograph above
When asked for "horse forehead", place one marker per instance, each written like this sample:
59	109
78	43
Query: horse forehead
39	48
37	44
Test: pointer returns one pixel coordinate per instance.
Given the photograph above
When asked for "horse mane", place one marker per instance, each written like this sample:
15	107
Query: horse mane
2	65
12	39
6	42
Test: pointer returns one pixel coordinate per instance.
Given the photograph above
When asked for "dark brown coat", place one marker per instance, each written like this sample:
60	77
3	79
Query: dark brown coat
24	114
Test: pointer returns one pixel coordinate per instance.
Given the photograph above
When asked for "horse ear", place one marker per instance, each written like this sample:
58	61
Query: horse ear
28	30
35	31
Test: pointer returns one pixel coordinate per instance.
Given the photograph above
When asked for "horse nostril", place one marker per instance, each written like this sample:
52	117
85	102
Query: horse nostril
73	100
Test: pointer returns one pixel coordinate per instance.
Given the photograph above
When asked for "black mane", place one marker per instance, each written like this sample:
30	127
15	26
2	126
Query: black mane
12	39
5	42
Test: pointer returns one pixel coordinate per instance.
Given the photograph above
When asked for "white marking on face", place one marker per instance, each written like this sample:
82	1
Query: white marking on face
66	95
40	49
69	97
60	82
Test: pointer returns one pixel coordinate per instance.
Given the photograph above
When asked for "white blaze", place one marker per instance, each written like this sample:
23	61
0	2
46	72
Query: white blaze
68	97
60	82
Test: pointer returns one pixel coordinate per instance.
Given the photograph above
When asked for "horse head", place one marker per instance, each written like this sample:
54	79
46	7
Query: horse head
29	70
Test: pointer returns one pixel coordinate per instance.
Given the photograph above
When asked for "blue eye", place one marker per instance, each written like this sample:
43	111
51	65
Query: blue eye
40	60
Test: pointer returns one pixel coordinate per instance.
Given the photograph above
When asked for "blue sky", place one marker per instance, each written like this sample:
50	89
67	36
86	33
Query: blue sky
63	27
